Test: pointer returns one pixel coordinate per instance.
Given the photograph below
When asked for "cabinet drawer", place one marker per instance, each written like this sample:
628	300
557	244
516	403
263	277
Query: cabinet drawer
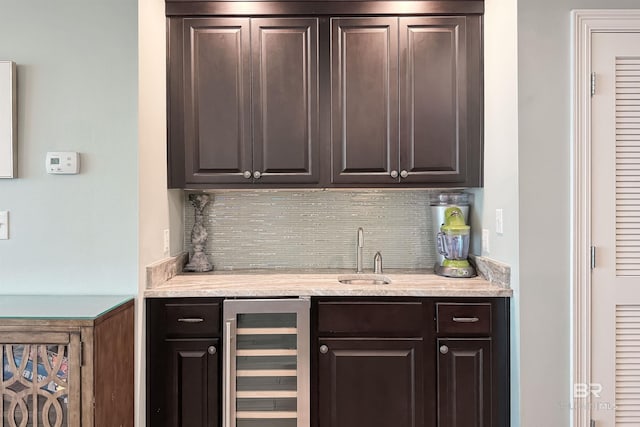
464	318
371	318
192	320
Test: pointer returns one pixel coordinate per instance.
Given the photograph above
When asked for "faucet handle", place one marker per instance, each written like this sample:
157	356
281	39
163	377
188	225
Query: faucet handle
377	263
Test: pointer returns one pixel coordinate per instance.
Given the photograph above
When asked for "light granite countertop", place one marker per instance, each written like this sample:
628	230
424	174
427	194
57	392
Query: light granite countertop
283	284
165	279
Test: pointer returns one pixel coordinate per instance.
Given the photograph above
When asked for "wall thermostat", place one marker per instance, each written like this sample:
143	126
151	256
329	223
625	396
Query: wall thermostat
63	162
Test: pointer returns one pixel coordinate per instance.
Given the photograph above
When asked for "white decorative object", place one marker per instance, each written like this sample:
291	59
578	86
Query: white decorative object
8	120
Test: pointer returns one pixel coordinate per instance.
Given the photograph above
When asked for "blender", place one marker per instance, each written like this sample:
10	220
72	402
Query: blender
440	202
453	244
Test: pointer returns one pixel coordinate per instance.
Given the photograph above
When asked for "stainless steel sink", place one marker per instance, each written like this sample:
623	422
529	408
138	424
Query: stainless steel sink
364	279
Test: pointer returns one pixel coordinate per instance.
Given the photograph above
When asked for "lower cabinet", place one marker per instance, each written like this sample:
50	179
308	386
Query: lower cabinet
373	383
415	362
472	350
183	362
464	382
375	362
194	368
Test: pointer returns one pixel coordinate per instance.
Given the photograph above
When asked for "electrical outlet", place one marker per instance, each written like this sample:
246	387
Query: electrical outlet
485	241
4	225
167	242
499	222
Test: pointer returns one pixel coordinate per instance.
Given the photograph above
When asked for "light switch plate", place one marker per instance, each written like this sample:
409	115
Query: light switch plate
4	225
485	241
499	222
166	248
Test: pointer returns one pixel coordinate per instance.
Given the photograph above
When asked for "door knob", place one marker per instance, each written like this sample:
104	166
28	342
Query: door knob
247	174
394	174
212	350
324	349
404	174
444	349
257	174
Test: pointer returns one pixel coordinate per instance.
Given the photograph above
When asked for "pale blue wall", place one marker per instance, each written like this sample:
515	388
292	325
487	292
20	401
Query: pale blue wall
501	161
77	78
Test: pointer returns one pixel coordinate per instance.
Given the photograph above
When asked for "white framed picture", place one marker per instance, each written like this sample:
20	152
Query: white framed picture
8	120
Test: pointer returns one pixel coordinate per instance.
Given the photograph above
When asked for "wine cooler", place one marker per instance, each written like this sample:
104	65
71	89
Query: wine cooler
266	363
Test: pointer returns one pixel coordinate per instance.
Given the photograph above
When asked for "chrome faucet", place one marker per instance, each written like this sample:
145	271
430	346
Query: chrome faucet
377	263
359	247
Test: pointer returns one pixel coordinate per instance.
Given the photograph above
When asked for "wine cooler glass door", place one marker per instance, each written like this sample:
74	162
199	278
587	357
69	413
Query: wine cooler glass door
266	368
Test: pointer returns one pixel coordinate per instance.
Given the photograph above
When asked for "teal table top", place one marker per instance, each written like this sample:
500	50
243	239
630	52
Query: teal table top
58	306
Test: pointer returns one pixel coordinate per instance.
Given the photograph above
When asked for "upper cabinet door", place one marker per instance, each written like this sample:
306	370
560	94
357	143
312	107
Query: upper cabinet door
285	100
364	101
440	93
217	94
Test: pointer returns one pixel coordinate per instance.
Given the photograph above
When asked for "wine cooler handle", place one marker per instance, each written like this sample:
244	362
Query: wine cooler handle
228	340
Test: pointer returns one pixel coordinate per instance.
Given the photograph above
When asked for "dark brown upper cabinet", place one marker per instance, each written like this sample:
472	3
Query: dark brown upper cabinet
310	93
243	101
364	108
406	98
285	100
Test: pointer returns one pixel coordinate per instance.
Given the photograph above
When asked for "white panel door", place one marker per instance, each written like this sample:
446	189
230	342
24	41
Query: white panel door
615	211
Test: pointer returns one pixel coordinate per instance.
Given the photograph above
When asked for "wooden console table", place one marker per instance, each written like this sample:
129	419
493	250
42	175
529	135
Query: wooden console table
67	361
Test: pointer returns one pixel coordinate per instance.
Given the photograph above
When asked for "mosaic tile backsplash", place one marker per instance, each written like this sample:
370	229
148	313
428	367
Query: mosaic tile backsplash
316	229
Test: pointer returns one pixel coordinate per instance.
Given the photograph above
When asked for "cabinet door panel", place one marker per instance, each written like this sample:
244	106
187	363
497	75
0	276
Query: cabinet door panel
464	383
373	383
364	84
217	92
194	392
285	99
433	98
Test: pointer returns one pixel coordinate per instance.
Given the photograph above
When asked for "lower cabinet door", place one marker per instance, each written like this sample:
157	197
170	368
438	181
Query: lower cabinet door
464	382
194	391
372	383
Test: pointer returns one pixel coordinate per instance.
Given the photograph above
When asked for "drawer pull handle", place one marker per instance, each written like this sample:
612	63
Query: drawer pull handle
444	349
191	319
465	319
212	350
324	349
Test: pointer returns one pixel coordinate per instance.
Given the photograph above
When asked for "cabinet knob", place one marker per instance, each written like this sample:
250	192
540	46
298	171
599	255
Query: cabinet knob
324	349
257	174
394	174
247	174
444	349
404	174
212	350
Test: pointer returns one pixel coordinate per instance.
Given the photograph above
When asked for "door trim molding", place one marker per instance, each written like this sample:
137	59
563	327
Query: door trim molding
585	23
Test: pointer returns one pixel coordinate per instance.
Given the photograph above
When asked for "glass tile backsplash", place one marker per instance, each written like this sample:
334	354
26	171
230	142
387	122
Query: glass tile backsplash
315	229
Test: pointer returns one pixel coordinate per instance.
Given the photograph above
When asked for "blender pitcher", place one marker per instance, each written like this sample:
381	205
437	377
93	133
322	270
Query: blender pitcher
453	243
